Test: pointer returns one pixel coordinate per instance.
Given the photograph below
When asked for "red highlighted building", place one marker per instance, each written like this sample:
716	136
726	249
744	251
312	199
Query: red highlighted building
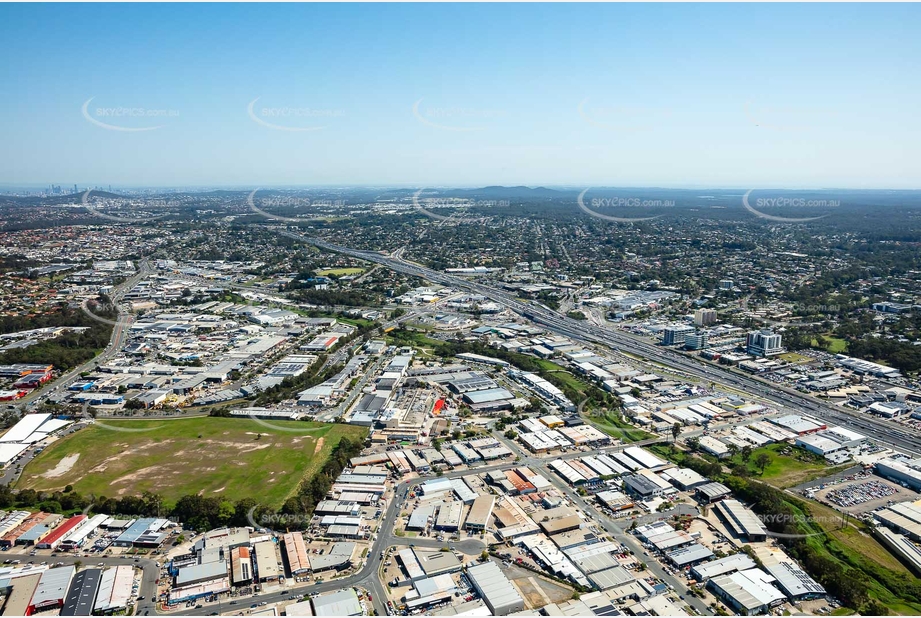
57	535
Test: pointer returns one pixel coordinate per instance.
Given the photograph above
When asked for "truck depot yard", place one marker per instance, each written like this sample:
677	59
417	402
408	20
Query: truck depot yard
228	457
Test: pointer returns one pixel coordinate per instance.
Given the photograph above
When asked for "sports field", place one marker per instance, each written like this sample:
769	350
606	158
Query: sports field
220	457
339	272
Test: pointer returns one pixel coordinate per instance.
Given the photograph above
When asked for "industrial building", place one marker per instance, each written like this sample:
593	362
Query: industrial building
690	555
830	440
644	458
903	471
56	536
611	577
82	593
449	516
267	564
338	556
480	513
52	589
19	597
340	603
740	520
437	562
614	500
144	532
799	424
198	573
722	566
641	486
794	582
902	517
114	590
500	596
748	592
241	567
711	445
296	553
711	492
77	538
901	546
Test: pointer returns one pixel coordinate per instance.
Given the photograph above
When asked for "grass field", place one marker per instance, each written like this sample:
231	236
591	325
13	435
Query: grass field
857	541
835	345
861	551
565	375
339	272
612	425
414	338
220	457
786	470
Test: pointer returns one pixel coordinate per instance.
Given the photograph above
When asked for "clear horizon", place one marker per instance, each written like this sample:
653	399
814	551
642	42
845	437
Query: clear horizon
678	96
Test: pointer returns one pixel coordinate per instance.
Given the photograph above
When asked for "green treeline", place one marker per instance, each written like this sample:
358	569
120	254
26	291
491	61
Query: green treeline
194	511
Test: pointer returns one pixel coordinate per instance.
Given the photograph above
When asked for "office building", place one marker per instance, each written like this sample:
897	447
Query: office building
763	343
676	335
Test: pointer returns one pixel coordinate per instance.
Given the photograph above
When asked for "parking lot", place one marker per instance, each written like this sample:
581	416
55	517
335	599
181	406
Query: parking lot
862	494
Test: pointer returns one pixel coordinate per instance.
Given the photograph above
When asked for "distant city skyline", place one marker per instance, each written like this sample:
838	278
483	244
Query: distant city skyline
719	96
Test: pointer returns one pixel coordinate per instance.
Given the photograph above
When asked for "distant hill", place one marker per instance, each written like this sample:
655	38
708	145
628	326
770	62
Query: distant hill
500	192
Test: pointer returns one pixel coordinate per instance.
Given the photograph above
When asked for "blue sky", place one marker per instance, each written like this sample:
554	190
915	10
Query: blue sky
678	95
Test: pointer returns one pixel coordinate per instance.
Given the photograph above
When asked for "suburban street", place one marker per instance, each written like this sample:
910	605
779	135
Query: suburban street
151	571
879	431
368	577
116	340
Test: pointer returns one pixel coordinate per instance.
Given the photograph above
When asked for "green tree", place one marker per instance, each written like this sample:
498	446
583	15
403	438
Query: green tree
746	453
762	460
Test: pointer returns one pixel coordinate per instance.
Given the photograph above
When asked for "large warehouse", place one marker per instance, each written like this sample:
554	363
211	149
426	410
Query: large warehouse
903	471
747	592
267	564
741	521
831	440
795	582
497	591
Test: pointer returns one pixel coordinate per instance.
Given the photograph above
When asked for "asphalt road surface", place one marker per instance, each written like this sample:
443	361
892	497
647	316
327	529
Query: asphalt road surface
148	588
582	331
115	342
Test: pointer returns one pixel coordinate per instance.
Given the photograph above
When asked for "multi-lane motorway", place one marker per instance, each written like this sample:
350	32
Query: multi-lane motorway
119	328
368	577
879	431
